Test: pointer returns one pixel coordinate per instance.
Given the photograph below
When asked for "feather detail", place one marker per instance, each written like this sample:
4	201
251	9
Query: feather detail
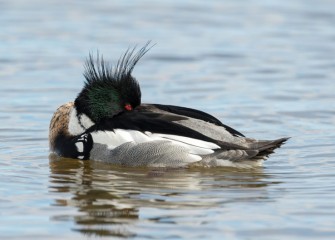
116	138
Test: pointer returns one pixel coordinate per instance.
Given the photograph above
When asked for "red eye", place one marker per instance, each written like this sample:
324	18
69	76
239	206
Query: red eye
128	107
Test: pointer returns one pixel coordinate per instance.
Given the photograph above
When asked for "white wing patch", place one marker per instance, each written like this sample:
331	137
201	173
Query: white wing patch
118	137
186	140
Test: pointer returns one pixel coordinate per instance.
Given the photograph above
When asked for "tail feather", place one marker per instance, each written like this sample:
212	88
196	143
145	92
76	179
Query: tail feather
254	152
267	146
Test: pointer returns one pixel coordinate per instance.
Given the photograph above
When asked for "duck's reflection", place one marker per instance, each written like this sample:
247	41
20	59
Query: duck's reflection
108	199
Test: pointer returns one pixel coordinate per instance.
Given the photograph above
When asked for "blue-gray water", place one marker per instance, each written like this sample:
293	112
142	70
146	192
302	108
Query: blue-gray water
266	68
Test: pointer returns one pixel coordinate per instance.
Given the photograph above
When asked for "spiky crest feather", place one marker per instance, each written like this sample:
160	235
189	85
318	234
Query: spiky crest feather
108	88
100	70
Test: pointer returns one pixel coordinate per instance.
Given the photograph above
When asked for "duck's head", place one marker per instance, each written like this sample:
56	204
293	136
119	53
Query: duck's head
109	90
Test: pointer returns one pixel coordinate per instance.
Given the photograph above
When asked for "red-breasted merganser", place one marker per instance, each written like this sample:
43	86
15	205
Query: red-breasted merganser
107	122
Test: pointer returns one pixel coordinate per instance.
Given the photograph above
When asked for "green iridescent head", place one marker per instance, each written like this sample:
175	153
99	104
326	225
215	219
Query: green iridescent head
109	90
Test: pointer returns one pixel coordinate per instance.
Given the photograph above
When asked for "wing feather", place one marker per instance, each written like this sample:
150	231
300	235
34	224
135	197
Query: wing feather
190	113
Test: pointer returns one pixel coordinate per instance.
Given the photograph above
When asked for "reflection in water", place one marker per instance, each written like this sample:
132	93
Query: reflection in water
109	199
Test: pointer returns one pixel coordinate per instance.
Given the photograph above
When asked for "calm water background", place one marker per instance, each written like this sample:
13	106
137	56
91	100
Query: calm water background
266	68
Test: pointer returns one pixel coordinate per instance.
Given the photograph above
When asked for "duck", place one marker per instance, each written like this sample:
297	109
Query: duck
107	122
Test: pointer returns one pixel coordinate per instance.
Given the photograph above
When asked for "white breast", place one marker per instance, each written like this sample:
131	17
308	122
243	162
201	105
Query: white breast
78	125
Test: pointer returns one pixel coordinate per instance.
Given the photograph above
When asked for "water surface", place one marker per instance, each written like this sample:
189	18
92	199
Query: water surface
265	68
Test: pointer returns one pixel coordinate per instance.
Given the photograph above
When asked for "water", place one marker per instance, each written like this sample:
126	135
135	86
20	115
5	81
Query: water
265	68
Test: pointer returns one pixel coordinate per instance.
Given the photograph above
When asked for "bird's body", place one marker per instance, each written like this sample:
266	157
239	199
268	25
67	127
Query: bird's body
107	122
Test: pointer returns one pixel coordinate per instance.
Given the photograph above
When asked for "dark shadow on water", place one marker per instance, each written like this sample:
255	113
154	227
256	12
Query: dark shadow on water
107	199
